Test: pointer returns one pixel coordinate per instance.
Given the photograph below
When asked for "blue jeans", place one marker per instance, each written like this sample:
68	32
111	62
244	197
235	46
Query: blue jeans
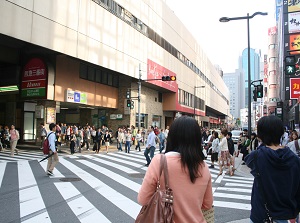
120	146
161	145
151	151
138	146
127	146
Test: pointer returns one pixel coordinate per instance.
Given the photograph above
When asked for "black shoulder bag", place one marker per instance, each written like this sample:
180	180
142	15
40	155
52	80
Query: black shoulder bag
269	219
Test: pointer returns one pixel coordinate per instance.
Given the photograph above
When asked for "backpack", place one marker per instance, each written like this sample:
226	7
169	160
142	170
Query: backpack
46	145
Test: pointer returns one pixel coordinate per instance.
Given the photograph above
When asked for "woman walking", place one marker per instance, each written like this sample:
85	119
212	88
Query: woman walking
224	157
14	137
189	176
128	138
138	138
107	140
215	149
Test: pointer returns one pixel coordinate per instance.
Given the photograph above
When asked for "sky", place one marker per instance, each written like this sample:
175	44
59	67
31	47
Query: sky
223	43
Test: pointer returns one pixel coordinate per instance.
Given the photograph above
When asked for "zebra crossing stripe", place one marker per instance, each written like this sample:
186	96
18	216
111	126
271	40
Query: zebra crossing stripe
32	207
120	179
233	205
122	161
130	207
236	181
81	207
235	189
2	170
233	196
238	185
116	166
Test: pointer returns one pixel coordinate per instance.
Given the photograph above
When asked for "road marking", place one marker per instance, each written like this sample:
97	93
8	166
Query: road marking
2	170
81	207
32	207
234	205
125	204
233	196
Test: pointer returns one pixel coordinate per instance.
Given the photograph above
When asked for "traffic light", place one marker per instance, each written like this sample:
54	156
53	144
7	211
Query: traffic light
168	78
259	91
128	94
290	65
255	94
132	105
128	103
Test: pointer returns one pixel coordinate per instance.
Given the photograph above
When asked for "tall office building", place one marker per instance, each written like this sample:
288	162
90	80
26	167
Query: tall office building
254	69
237	94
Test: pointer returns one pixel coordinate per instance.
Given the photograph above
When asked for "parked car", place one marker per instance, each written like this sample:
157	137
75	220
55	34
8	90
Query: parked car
236	135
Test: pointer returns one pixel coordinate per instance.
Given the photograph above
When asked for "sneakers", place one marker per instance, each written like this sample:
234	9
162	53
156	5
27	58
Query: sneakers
211	166
49	173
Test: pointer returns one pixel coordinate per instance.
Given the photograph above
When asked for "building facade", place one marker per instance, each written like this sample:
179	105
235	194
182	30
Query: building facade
73	62
254	69
237	99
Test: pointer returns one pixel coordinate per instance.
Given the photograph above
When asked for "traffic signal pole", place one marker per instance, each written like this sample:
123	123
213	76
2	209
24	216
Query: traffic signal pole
139	97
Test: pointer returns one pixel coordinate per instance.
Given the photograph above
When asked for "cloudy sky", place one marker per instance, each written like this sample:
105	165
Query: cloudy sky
224	42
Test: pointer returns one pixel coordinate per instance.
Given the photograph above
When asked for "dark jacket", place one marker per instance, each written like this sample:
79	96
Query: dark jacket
98	136
107	137
279	170
230	146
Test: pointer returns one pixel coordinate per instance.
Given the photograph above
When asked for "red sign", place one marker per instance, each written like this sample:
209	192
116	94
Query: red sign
294	88
33	84
156	71
272	31
34	76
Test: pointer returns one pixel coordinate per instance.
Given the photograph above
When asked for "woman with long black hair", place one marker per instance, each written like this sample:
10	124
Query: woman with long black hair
189	176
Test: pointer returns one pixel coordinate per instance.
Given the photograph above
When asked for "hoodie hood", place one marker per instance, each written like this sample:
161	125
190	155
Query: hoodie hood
280	158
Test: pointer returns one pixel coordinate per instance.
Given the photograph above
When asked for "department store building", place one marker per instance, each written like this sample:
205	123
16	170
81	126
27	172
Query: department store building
73	61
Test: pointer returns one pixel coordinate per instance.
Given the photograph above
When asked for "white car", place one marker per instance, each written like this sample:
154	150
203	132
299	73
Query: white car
236	135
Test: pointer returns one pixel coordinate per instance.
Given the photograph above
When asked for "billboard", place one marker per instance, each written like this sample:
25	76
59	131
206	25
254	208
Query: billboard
294	88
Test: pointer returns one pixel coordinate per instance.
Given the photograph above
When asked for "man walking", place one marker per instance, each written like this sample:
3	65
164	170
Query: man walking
150	146
52	160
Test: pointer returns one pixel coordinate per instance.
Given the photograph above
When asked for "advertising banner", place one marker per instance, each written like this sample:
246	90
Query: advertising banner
76	97
34	79
294	88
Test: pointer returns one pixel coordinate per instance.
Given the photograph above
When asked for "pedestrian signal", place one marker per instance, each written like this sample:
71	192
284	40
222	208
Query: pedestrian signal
259	91
290	65
128	94
132	105
255	94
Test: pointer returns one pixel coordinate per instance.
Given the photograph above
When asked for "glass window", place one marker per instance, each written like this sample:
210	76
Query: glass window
110	79
156	121
104	77
98	76
83	71
91	74
159	97
115	80
143	120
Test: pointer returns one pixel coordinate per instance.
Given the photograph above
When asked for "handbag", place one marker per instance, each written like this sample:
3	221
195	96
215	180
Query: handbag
209	215
160	207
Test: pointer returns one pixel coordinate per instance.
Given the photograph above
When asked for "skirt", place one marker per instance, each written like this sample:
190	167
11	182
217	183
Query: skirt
106	143
224	158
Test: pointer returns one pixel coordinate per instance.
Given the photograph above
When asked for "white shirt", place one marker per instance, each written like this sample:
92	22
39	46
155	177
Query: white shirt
223	144
151	140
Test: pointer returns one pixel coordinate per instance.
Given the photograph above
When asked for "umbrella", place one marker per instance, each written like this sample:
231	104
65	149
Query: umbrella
49	155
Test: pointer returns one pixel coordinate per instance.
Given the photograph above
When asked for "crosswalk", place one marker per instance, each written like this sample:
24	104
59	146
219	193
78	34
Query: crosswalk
93	188
22	155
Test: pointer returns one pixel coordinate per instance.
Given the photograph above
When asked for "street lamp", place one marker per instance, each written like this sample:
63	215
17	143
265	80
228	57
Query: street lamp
195	98
248	17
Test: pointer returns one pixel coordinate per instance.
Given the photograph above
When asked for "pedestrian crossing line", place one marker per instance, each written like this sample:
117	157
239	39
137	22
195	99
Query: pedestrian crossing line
236	181
130	157
57	174
128	206
233	196
235	189
116	166
32	207
118	178
233	205
245	179
2	171
220	178
119	159
81	207
237	185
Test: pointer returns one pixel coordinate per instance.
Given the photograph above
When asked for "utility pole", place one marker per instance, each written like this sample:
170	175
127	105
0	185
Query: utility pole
139	97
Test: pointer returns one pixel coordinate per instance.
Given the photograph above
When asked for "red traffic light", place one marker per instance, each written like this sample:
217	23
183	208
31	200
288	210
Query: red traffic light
168	78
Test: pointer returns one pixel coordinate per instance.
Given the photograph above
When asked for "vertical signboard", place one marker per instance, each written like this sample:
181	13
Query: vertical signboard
34	79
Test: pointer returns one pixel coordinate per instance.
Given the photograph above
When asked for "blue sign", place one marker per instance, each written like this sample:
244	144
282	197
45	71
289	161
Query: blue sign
76	97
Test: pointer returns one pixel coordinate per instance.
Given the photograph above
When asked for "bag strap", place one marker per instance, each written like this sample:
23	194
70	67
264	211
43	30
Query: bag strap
164	167
49	135
261	189
297	145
